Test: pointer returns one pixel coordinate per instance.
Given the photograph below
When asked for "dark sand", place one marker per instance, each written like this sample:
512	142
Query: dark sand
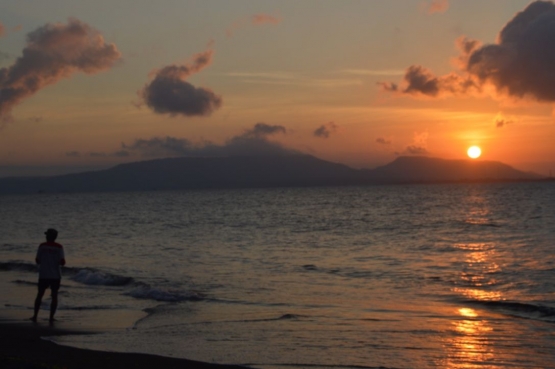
21	347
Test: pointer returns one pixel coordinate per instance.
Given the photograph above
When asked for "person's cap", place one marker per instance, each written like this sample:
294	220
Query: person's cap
51	231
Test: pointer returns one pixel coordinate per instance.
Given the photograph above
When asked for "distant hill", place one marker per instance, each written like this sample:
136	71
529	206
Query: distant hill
425	169
259	172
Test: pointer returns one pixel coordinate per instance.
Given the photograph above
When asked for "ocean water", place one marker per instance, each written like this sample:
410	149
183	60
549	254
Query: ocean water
422	276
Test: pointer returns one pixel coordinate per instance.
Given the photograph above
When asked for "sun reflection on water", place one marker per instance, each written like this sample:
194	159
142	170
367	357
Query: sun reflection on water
471	342
478	272
470	346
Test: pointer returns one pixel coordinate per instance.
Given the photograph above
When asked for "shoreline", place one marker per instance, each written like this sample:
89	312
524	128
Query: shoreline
22	346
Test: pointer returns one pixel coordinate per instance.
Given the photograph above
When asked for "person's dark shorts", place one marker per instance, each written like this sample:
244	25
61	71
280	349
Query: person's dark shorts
53	283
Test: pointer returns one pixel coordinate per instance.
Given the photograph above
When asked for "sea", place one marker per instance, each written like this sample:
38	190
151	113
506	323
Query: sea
407	276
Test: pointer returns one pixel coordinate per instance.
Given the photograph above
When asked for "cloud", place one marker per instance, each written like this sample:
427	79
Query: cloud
3	31
420	81
253	20
519	65
73	154
53	52
263	130
36	119
419	145
383	141
253	141
437	6
501	121
170	93
374	72
416	150
259	19
325	130
96	154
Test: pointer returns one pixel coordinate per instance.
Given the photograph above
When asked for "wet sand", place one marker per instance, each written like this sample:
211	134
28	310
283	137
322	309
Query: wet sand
21	347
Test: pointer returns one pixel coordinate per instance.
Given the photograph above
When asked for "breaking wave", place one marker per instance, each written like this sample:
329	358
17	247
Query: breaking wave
519	309
94	277
162	294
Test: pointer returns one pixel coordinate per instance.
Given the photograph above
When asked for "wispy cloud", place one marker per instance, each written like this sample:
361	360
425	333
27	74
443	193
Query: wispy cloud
53	52
169	92
253	20
258	19
374	72
437	6
285	78
263	75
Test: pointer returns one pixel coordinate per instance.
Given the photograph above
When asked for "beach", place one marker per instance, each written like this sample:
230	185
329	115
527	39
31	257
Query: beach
22	346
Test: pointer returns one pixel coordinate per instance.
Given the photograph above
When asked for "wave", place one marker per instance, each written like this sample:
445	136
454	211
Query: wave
519	309
93	277
88	276
166	295
18	266
27	283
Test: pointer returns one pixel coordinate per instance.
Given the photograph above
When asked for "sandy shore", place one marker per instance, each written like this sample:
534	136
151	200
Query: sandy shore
21	347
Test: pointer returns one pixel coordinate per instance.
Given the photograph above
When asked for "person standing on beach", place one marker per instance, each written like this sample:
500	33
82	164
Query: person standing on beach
50	258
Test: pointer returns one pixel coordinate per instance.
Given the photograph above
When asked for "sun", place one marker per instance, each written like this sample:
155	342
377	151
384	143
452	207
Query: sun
474	152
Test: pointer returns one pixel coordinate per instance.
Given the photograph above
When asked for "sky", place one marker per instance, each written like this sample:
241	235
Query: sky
88	85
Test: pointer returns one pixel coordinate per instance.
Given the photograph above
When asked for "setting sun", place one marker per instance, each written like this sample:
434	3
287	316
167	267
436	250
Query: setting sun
474	152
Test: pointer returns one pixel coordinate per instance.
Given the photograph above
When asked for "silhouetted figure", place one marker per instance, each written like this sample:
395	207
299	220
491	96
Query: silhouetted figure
50	258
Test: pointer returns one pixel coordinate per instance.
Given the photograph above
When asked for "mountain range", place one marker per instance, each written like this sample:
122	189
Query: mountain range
262	171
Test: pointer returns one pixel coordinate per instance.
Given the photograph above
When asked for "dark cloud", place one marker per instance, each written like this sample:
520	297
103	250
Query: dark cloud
325	130
262	130
521	64
383	141
53	52
170	93
421	81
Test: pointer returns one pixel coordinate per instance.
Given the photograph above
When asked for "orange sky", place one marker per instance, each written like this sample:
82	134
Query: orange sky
93	85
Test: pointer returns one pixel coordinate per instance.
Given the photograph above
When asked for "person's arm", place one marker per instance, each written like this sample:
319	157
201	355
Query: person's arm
62	258
37	257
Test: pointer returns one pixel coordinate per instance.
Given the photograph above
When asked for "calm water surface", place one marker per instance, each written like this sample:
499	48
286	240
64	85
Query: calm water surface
431	276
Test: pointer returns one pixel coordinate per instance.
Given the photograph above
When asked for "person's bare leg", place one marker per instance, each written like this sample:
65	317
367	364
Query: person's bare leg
38	301
53	305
